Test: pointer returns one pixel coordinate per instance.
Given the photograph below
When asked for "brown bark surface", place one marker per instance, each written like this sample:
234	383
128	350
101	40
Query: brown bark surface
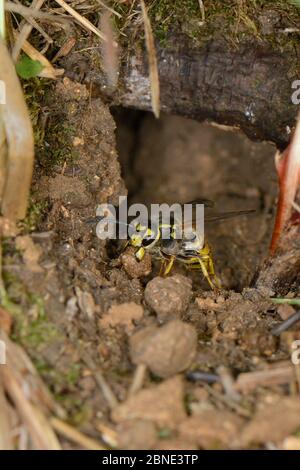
248	85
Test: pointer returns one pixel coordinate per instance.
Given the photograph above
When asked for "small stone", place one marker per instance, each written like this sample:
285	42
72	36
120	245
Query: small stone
285	311
273	423
166	350
268	21
169	297
31	252
136	434
86	303
133	267
258	341
211	429
162	404
123	314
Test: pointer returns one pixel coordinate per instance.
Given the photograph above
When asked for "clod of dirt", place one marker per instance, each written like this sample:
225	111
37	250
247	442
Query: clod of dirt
136	434
273	423
162	404
268	21
86	303
209	303
70	191
258	341
166	350
211	429
124	314
133	267
169	297
30	251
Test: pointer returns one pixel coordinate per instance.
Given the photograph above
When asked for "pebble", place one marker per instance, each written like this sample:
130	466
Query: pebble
166	350
169	297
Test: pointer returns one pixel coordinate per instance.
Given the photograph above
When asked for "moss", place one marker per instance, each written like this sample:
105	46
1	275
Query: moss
35	90
233	20
53	136
73	374
31	329
35	213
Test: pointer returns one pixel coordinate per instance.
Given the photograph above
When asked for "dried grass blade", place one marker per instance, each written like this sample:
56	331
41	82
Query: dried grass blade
74	435
25	11
25	30
152	59
81	19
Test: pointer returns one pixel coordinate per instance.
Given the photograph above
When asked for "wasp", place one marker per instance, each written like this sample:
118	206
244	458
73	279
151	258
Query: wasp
191	248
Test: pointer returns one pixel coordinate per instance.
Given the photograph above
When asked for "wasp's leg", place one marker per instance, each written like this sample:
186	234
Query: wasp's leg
168	266
162	267
206	274
212	273
202	265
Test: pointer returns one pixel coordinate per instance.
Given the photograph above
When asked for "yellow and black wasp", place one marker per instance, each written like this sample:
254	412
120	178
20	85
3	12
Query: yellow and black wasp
191	249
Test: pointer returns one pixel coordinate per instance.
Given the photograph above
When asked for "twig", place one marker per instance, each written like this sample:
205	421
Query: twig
104	386
285	301
25	30
81	19
20	363
114	12
228	402
25	11
41	433
202	10
228	383
296	206
108	435
152	59
74	435
138	379
65	49
286	324
278	374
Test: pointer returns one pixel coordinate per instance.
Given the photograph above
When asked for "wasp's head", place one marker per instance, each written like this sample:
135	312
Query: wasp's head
144	238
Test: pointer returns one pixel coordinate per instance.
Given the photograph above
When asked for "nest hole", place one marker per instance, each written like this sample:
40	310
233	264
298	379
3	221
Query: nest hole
174	159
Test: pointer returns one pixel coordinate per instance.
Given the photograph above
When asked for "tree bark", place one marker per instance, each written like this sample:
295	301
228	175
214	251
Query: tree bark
248	86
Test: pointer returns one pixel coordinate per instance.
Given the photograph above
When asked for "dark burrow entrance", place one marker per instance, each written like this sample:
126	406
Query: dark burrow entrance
174	159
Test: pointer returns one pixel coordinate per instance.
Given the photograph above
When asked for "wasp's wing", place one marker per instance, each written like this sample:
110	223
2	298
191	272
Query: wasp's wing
210	217
206	202
215	217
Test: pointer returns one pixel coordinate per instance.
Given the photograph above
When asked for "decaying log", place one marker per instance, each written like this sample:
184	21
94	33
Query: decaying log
248	85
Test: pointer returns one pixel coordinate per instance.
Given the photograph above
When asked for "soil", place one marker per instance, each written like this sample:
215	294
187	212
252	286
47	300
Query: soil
78	311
